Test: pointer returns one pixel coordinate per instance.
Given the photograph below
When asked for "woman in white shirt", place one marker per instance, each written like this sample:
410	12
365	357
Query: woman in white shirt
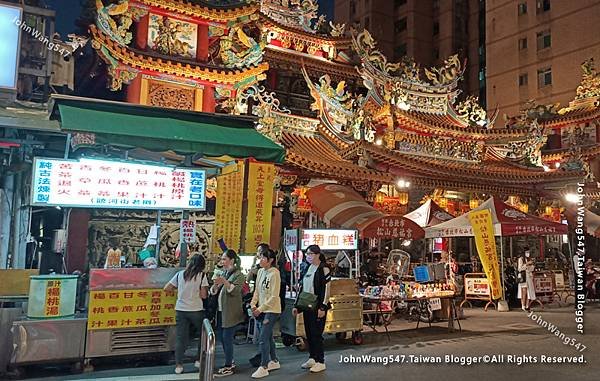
526	290
192	286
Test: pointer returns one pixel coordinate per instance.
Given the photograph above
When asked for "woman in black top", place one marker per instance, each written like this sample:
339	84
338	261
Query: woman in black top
314	279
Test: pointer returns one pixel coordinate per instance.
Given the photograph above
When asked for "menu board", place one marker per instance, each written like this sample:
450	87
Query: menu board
95	183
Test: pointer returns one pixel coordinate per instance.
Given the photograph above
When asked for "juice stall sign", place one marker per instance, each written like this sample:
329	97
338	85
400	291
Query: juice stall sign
131	308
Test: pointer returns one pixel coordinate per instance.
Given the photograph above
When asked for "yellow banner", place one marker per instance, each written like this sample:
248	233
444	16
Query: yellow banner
228	219
52	298
131	308
481	221
260	204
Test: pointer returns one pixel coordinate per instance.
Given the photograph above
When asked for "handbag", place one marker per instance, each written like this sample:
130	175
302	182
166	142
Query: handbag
306	301
522	276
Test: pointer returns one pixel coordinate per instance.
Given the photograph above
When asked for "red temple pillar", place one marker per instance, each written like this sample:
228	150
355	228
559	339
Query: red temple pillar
272	79
202	50
141	35
134	90
77	241
208	99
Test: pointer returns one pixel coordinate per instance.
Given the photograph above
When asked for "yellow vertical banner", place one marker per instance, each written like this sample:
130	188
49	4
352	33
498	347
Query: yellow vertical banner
483	229
260	204
228	218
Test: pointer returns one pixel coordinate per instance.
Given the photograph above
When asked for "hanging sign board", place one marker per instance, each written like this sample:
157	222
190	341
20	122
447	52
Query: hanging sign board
330	239
94	183
188	231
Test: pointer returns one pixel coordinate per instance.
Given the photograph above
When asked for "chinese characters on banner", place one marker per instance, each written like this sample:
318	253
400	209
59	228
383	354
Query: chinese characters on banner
131	308
228	216
483	229
330	239
96	183
260	204
52	298
188	231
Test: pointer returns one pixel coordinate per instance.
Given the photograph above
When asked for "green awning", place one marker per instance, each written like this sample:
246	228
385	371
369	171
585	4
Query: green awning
158	129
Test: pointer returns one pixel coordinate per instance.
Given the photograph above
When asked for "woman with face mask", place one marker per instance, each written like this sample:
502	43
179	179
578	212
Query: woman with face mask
228	286
526	290
266	308
313	280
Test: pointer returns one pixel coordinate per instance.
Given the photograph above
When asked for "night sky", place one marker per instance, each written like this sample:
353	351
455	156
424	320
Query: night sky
67	12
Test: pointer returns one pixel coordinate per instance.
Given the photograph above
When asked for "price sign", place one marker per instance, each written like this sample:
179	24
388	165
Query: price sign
188	231
435	304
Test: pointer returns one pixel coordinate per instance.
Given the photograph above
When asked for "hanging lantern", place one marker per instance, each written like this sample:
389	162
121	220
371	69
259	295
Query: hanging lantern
474	203
548	210
513	200
379	197
403	198
443	202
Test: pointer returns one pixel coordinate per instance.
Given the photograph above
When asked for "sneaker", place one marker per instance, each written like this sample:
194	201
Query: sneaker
273	365
179	369
260	372
309	364
318	367
224	371
197	364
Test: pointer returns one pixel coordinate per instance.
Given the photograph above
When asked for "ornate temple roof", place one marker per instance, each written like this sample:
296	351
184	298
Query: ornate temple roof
125	63
207	11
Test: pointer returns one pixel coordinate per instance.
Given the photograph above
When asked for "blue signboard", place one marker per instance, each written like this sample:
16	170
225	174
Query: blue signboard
94	183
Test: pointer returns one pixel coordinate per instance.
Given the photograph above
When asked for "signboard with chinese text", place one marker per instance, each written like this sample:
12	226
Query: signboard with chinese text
188	231
228	215
477	287
290	240
112	309
52	306
330	239
260	204
93	183
483	229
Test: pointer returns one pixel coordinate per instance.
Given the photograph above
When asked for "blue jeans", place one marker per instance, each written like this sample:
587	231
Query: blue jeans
266	342
184	319
225	336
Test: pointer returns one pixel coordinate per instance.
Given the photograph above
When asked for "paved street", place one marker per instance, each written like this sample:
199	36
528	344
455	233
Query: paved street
484	333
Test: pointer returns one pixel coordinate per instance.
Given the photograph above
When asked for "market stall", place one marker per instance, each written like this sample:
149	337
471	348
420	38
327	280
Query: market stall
506	221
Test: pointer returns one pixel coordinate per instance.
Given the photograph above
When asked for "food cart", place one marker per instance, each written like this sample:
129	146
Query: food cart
345	314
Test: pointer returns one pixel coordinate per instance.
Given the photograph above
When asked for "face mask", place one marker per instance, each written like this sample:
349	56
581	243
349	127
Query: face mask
527	254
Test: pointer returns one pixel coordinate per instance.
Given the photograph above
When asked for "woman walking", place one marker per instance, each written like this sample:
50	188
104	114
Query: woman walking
526	290
266	308
313	281
192	287
228	288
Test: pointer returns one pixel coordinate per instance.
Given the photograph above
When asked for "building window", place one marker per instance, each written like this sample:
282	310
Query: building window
399	3
544	40
522	7
522	43
400	25
436	28
367	22
523	80
543	6
544	77
400	51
